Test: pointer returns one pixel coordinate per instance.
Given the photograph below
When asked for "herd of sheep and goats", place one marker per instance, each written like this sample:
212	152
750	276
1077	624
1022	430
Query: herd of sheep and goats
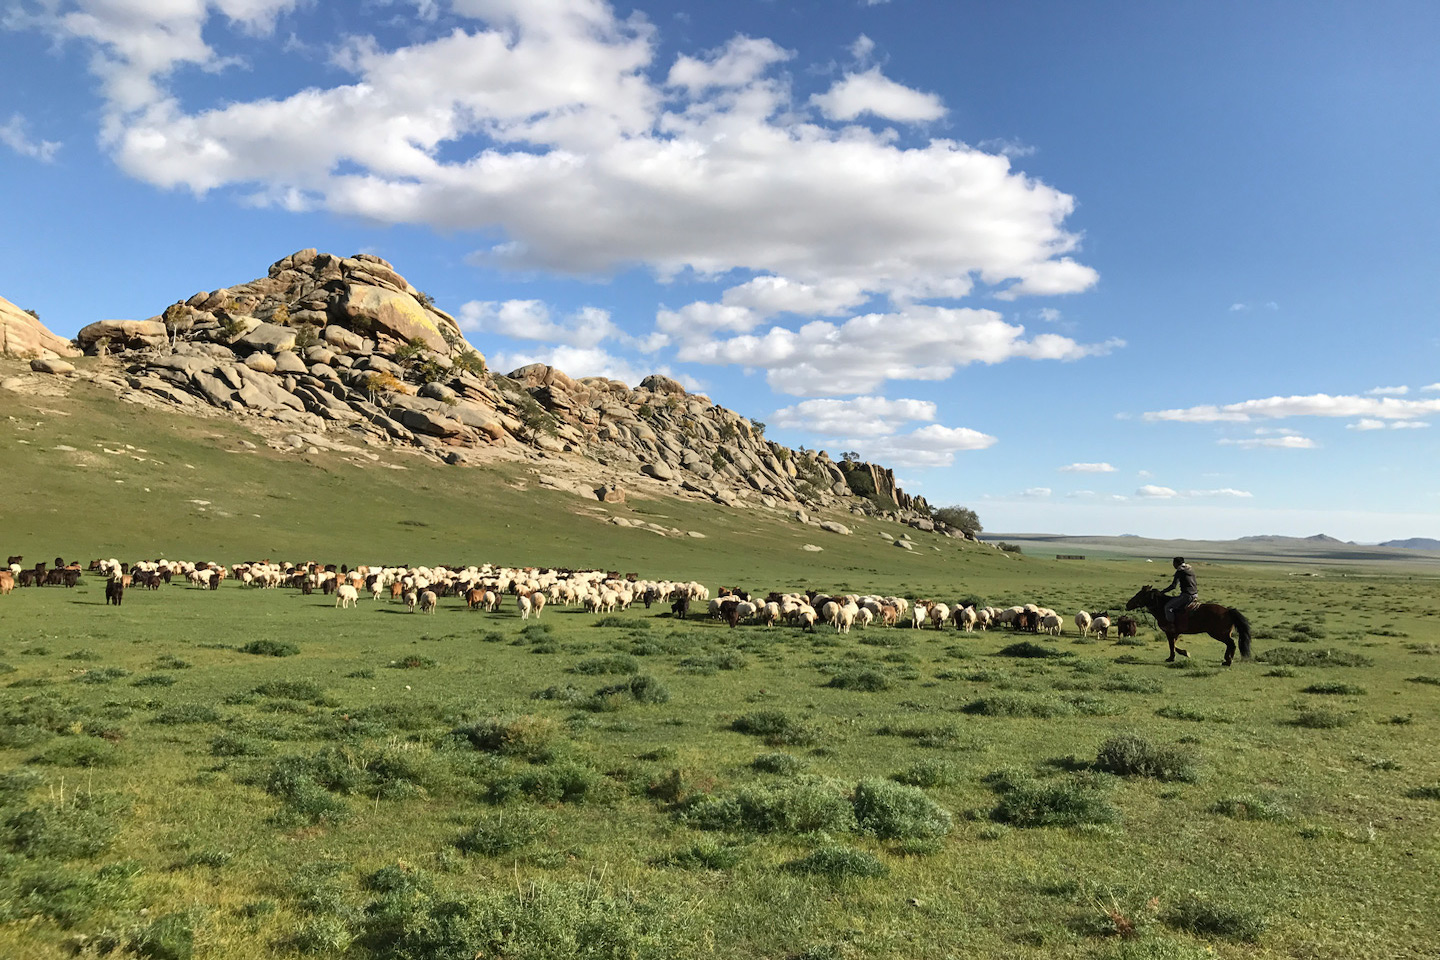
597	591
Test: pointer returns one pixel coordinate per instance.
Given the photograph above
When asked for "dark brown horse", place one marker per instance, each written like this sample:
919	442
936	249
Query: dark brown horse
1209	618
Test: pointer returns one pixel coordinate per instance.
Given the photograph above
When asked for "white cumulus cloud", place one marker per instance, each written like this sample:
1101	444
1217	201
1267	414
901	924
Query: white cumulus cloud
874	93
1088	468
858	356
543	123
857	417
531	320
15	134
1311	405
1285	442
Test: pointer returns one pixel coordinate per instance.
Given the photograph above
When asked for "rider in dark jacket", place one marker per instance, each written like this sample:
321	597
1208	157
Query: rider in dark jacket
1189	593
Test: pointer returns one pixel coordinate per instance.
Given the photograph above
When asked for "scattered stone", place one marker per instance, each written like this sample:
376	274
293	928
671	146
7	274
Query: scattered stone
812	548
905	544
58	367
696	535
610	493
835	527
659	470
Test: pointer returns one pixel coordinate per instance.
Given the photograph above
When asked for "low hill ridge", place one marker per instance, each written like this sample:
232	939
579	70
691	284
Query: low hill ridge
344	350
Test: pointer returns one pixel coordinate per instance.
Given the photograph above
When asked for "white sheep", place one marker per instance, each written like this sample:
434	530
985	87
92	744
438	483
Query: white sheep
1101	626
346	595
428	601
1051	623
1082	622
523	601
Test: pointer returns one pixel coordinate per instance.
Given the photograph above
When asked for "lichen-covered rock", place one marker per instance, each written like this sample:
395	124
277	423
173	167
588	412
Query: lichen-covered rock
50	365
391	312
22	335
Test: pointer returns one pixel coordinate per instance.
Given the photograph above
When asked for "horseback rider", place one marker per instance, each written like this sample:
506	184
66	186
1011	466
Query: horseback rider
1189	593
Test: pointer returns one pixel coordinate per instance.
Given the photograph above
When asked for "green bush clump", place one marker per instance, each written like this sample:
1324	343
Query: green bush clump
1174	711
705	855
867	679
79	829
238	745
1020	705
291	690
80	752
501	832
153	680
1329	657
564	781
799	805
776	728
895	811
1030	649
784	764
168	937
614	663
184	713
1427	792
565	694
1072	802
542	920
1201	917
1335	687
927	773
1432	681
1321	718
270	648
1128	755
839	863
102	675
1248	806
169	662
515	735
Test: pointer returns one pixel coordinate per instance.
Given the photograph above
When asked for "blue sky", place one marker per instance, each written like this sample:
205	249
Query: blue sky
1165	269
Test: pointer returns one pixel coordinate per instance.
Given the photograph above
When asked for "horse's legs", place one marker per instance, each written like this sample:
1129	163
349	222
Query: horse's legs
1229	646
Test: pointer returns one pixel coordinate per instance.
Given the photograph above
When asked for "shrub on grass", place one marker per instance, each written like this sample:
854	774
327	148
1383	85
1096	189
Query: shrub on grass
1030	649
867	679
784	764
79	829
1427	792
270	648
565	781
1321	718
80	752
1329	657
799	805
1175	711
168	937
1432	681
186	713
1335	687
168	662
927	773
1132	756
564	694
895	811
501	832
776	728
238	745
102	675
292	690
513	735
1072	802
947	735
1248	806
153	680
1044	707
1199	916
614	663
705	855
839	863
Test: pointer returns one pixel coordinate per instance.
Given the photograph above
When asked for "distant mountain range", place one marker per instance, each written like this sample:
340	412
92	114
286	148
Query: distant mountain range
1414	543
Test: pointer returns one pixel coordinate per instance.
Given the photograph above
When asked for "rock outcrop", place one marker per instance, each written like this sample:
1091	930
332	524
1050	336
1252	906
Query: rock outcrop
346	344
23	335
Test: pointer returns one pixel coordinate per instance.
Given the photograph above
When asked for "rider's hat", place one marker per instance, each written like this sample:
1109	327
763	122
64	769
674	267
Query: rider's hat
1178	560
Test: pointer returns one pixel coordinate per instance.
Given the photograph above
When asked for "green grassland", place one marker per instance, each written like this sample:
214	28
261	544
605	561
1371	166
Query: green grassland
470	785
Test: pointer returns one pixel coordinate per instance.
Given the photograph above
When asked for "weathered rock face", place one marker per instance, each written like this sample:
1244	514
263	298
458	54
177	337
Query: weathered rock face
21	335
325	342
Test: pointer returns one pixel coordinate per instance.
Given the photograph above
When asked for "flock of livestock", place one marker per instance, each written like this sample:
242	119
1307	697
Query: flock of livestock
598	591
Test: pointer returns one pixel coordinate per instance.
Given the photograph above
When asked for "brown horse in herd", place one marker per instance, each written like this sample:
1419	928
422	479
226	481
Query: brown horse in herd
1211	618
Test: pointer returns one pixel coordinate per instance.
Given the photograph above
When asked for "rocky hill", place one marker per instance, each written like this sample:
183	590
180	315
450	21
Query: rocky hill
343	353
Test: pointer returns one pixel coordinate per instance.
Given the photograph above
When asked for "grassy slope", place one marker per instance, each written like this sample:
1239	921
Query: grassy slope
1348	870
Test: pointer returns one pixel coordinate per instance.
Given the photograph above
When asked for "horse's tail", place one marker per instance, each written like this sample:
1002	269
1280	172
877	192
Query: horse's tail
1242	626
